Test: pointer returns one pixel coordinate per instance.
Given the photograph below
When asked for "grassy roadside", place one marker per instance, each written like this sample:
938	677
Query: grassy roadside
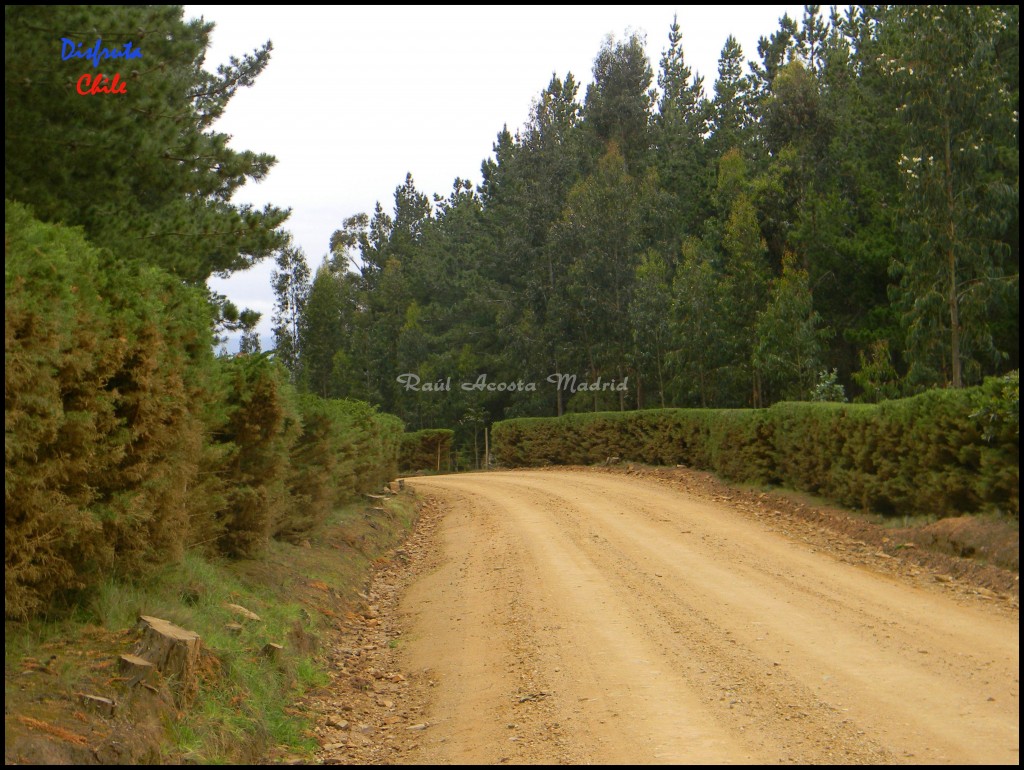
244	710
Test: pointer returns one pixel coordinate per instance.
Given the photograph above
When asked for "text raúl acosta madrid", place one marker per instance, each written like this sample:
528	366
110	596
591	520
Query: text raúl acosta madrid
569	382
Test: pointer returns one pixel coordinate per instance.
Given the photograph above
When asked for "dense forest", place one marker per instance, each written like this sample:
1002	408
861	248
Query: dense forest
835	218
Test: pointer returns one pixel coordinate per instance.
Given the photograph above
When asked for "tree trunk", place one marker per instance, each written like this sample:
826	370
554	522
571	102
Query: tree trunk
661	377
175	653
558	391
138	668
954	310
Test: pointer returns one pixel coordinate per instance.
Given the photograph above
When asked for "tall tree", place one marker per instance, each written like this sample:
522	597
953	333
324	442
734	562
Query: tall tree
960	164
650	315
788	350
679	129
599	230
326	334
812	40
745	275
732	106
620	100
142	172
290	282
249	342
775	52
699	329
524	192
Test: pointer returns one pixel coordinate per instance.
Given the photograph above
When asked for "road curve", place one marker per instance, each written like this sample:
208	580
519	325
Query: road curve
580	617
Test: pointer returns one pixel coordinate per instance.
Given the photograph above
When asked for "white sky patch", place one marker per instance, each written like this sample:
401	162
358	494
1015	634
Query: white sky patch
355	97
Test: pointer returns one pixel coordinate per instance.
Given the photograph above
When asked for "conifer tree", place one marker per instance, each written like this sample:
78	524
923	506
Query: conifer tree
679	128
143	172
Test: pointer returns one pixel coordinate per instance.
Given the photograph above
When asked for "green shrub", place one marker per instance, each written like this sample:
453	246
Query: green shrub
104	363
372	441
259	425
345	448
426	450
941	453
126	441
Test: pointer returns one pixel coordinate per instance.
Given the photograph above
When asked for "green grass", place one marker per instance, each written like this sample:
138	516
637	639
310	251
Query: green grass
906	522
244	709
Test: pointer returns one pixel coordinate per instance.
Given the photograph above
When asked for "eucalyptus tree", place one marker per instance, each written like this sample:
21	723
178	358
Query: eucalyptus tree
620	101
955	71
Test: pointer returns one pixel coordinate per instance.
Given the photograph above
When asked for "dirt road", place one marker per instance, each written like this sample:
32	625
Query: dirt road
578	617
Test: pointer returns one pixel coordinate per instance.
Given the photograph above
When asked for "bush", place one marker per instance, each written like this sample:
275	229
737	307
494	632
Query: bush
104	364
426	450
290	459
126	441
941	453
259	425
346	448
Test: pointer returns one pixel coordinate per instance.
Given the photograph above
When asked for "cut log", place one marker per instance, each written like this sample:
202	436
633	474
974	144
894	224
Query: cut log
103	705
242	612
272	650
173	651
136	668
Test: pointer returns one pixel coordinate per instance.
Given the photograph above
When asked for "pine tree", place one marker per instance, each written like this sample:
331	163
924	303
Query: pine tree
699	330
599	231
679	128
650	311
141	172
327	330
788	339
732	106
524	192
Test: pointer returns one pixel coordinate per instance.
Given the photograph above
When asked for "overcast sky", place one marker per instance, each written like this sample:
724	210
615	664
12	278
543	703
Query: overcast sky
355	97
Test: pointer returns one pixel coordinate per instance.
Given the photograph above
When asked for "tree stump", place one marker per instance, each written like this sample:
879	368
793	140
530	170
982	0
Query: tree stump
138	669
105	706
175	653
272	650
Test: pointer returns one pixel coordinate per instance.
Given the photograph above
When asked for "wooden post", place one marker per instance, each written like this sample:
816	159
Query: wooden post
487	451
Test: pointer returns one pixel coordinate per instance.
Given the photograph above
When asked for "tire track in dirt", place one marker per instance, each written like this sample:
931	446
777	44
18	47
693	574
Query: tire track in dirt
578	617
836	642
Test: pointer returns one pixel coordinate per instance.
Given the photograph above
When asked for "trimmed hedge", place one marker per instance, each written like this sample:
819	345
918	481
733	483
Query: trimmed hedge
345	448
102	395
259	428
941	453
286	460
127	441
422	450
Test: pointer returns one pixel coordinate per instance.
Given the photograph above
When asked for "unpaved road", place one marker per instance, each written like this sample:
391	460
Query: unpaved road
576	617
